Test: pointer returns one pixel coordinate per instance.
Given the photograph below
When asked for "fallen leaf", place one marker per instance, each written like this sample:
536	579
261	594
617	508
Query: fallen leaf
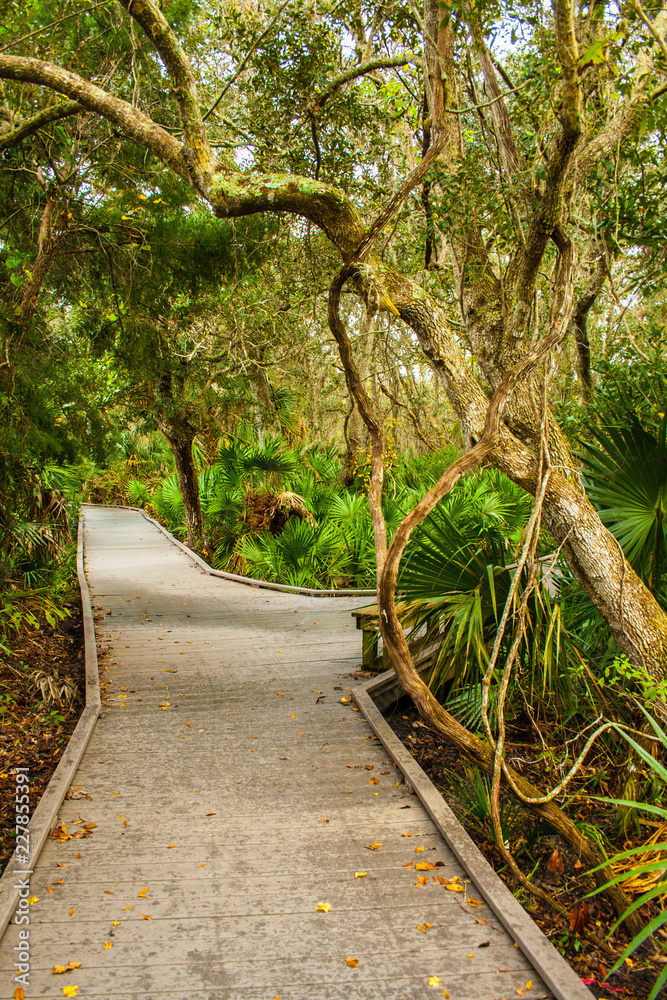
374	847
33	899
210	814
49	889
423	927
556	864
529	984
475	902
128	908
470	955
579	917
418	849
578	865
59	969
484	944
70	912
325	907
423	866
422	880
369	767
203	866
374	781
70	991
108	892
293	716
360	874
480	920
115	923
521	992
145	916
143	893
454	887
410	864
345	700
434	981
19	993
169	846
445	994
107	945
352	962
407	835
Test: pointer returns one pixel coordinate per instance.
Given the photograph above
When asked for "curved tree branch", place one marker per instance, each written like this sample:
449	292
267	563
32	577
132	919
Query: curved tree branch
158	31
133	122
31	125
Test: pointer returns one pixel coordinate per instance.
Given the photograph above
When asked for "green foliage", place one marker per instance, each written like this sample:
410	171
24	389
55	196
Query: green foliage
659	888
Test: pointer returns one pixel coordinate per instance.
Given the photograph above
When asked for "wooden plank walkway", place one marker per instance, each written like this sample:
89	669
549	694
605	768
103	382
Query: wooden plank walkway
232	794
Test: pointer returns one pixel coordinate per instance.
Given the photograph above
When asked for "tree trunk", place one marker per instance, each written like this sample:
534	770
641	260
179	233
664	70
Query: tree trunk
180	435
188	482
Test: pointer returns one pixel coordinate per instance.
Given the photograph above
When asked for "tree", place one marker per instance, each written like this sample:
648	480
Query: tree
515	196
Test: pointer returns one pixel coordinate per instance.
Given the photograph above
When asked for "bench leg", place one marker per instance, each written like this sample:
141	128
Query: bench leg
369	648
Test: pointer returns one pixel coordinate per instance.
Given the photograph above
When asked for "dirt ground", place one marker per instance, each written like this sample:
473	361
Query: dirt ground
34	729
549	861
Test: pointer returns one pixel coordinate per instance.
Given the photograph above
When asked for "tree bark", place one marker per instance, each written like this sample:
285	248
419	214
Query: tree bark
180	435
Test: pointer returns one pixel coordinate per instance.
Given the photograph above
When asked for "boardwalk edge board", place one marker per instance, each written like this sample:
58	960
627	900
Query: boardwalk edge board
537	948
44	816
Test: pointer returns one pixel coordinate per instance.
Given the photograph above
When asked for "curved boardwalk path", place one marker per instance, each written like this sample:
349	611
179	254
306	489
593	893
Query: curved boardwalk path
232	793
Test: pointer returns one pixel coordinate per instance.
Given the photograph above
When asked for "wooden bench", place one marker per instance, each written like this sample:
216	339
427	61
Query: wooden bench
368	621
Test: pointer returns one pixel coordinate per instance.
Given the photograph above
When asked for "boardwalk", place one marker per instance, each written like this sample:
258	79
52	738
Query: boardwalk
233	794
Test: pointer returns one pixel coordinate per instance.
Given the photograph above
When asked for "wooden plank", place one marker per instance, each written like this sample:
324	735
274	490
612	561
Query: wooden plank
551	966
244	924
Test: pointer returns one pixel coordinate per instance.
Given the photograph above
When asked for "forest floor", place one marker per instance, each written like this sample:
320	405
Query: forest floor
34	731
542	856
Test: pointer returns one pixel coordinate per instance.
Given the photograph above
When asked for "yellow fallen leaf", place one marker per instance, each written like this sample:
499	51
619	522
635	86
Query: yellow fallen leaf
475	902
145	916
352	962
325	907
107	945
108	892
49	889
445	994
454	887
293	716
529	984
423	866
345	700
19	993
169	846
423	927
434	981
143	893
203	866
521	992
418	849
374	847
115	923
70	912
422	880
360	874
70	991
410	864
33	899
128	907
407	835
